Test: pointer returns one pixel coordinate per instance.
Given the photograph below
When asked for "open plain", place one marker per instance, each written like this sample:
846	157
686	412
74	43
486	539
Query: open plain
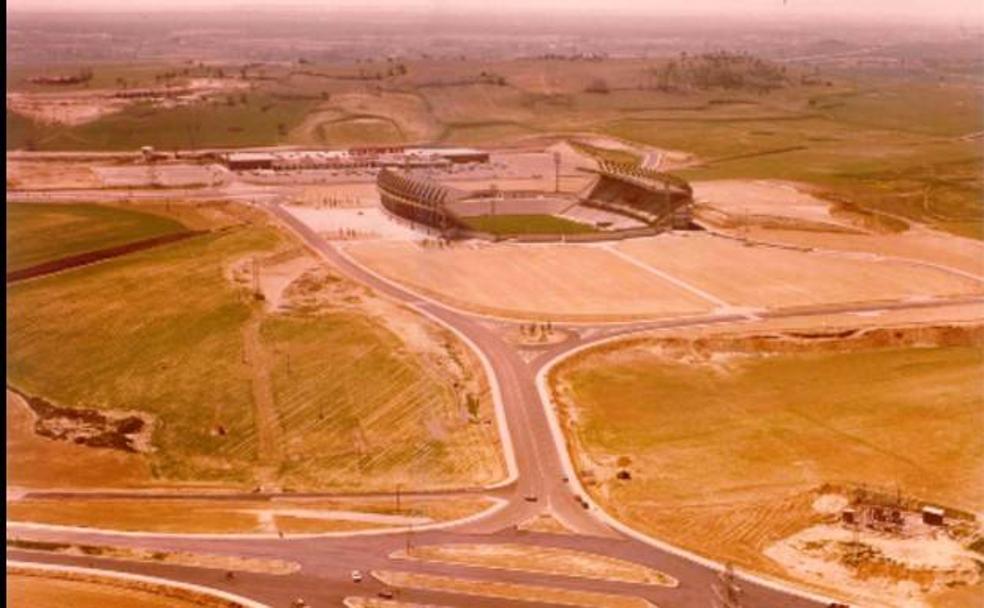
393	312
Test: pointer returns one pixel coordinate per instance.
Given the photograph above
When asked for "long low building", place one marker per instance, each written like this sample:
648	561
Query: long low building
407	158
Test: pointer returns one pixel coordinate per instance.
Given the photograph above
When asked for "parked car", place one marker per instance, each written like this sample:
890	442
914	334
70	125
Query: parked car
356	576
386	594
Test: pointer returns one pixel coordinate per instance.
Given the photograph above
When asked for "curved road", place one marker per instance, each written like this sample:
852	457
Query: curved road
540	473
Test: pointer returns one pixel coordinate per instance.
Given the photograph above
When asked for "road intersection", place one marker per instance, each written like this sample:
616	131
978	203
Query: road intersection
539	466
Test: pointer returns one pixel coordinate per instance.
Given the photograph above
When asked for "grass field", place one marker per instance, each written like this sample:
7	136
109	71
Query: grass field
39	233
726	450
526	224
164	332
263	120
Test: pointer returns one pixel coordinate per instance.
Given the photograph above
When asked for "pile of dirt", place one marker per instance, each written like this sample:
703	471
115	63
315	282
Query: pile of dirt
875	566
126	431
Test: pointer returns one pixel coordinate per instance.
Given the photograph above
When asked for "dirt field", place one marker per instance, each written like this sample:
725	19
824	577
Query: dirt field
26	175
510	591
240	516
786	213
51	592
728	438
531	281
369	223
773	277
937	248
764	199
543	560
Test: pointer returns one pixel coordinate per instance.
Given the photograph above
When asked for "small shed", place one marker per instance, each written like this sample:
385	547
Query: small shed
933	516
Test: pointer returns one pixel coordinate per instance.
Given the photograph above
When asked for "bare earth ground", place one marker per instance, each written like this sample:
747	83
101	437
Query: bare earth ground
65	464
30	175
544	560
703	420
241	516
790	205
367	223
79	107
761	276
530	281
178	558
49	592
762	199
510	591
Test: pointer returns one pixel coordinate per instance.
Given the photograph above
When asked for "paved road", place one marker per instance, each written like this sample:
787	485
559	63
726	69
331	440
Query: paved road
326	562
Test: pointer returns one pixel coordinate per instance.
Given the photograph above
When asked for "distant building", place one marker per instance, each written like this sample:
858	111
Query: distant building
933	516
249	161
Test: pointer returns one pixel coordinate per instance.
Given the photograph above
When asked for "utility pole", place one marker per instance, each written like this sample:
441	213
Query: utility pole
256	277
727	592
409	534
556	159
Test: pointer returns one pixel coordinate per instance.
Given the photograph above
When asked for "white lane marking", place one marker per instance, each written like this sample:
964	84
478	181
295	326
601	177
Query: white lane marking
668	277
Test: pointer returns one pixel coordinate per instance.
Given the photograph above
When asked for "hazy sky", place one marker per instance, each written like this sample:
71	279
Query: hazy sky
877	8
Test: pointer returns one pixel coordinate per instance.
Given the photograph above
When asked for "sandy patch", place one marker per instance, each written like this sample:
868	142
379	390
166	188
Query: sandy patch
773	277
64	108
829	504
875	567
542	560
764	198
371	518
28	175
369	223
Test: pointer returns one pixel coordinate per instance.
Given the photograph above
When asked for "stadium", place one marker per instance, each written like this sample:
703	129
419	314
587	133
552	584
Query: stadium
620	201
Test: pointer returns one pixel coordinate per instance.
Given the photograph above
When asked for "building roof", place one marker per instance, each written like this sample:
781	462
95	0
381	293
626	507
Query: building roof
250	156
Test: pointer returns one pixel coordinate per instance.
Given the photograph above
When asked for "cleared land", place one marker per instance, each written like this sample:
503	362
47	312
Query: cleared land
161	333
531	281
178	558
240	516
38	233
773	277
49	592
509	591
544	560
526	224
728	438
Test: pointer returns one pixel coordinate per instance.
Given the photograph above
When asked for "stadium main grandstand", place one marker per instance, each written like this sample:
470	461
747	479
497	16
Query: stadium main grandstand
620	201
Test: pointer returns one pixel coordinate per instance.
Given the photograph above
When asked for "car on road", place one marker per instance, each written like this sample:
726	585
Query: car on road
530	498
386	594
356	576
